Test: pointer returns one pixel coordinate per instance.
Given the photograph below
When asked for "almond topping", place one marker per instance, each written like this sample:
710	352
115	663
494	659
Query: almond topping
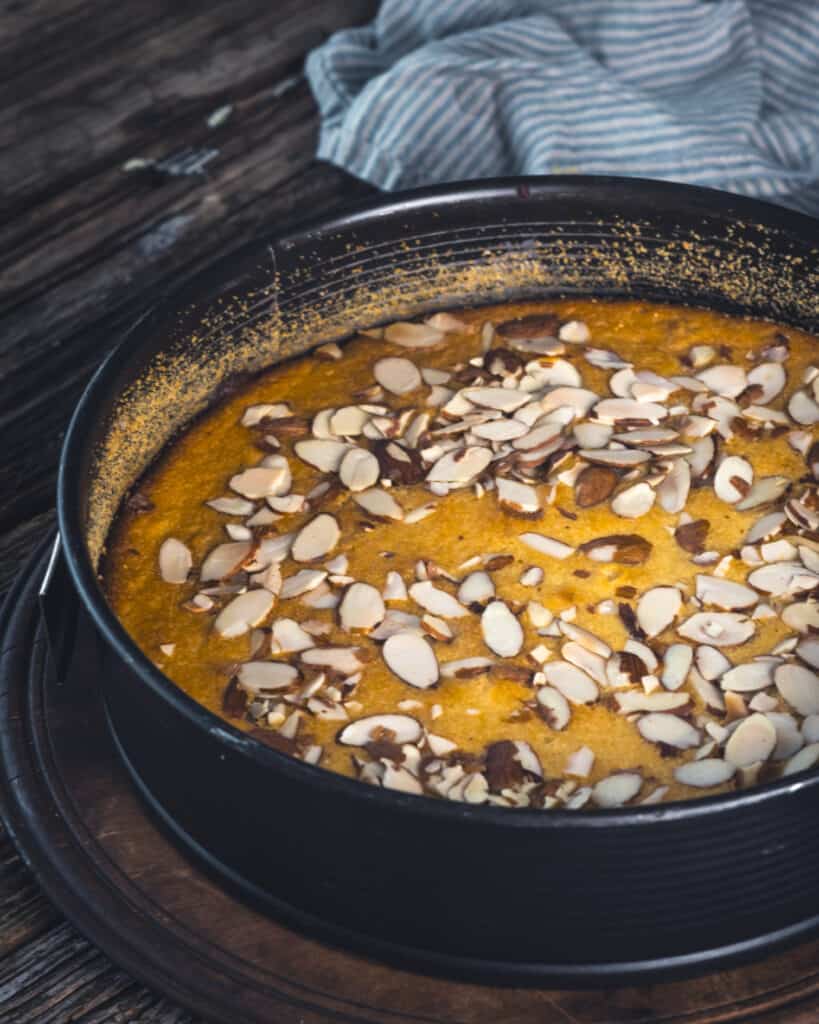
412	659
316	539
175	561
657	609
361	608
244	612
502	632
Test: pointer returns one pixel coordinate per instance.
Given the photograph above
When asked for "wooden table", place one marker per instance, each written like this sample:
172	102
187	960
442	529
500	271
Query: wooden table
140	141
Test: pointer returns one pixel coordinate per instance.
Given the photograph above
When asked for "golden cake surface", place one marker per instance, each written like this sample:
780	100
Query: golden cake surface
559	554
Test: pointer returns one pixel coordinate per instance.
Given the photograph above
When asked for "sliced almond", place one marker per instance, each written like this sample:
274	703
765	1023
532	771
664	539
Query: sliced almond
398	376
764	491
325	455
359	469
632	701
782	578
257	677
547	545
770	378
677	662
803	616
799	686
477	588
502	633
231	506
672	493
301	582
521	499
733	479
724	593
501	399
634	501
803	409
243	612
394	588
594	484
720	629
361	608
287	636
808	651
808	757
377	502
410	335
343	660
705	773
575	332
657	609
580	762
622	548
766	527
553	708
669	730
617	789
262	481
437	601
399	729
412	659
592	435
316	539
223	559
175	561
622	458
628	410
578	399
460	467
725	380
753	740
575	685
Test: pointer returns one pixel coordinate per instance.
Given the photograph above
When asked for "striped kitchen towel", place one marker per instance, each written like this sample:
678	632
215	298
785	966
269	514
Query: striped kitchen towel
712	92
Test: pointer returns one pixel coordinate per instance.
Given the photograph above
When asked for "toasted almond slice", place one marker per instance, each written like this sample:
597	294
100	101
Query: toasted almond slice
788	737
540	439
748	677
803	409
175	561
733	479
799	686
575	685
721	629
710	662
657	609
287	636
255	414
223	559
724	593
519	498
702	458
437	628
411	658
436	601
502	399
377	502
806	758
399	729
477	588
622	382
343	660
770	377
621	548
361	608
668	729
628	410
498	431
398	376
580	762
803	616
617	789
349	421
301	582
325	455
631	701
676	665
579	399
594	484
359	469
576	332
705	773
782	578
764	491
410	335
725	380
257	677
460	467
672	492
622	458
585	638
466	668
605	359
553	708
592	435
532	576
766	527
547	545
808	651
394	587
244	612
261	481
502	633
634	501
231	506
316	539
581	657
753	740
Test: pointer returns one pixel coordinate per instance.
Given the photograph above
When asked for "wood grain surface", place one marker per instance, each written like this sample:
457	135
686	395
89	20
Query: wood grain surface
84	245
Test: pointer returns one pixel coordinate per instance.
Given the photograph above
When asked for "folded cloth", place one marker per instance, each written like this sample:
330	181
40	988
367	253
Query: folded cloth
711	92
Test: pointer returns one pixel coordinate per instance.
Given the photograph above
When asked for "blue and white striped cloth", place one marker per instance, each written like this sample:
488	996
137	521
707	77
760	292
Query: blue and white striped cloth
711	92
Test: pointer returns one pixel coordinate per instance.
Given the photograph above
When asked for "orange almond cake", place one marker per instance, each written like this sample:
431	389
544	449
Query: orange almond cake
551	555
